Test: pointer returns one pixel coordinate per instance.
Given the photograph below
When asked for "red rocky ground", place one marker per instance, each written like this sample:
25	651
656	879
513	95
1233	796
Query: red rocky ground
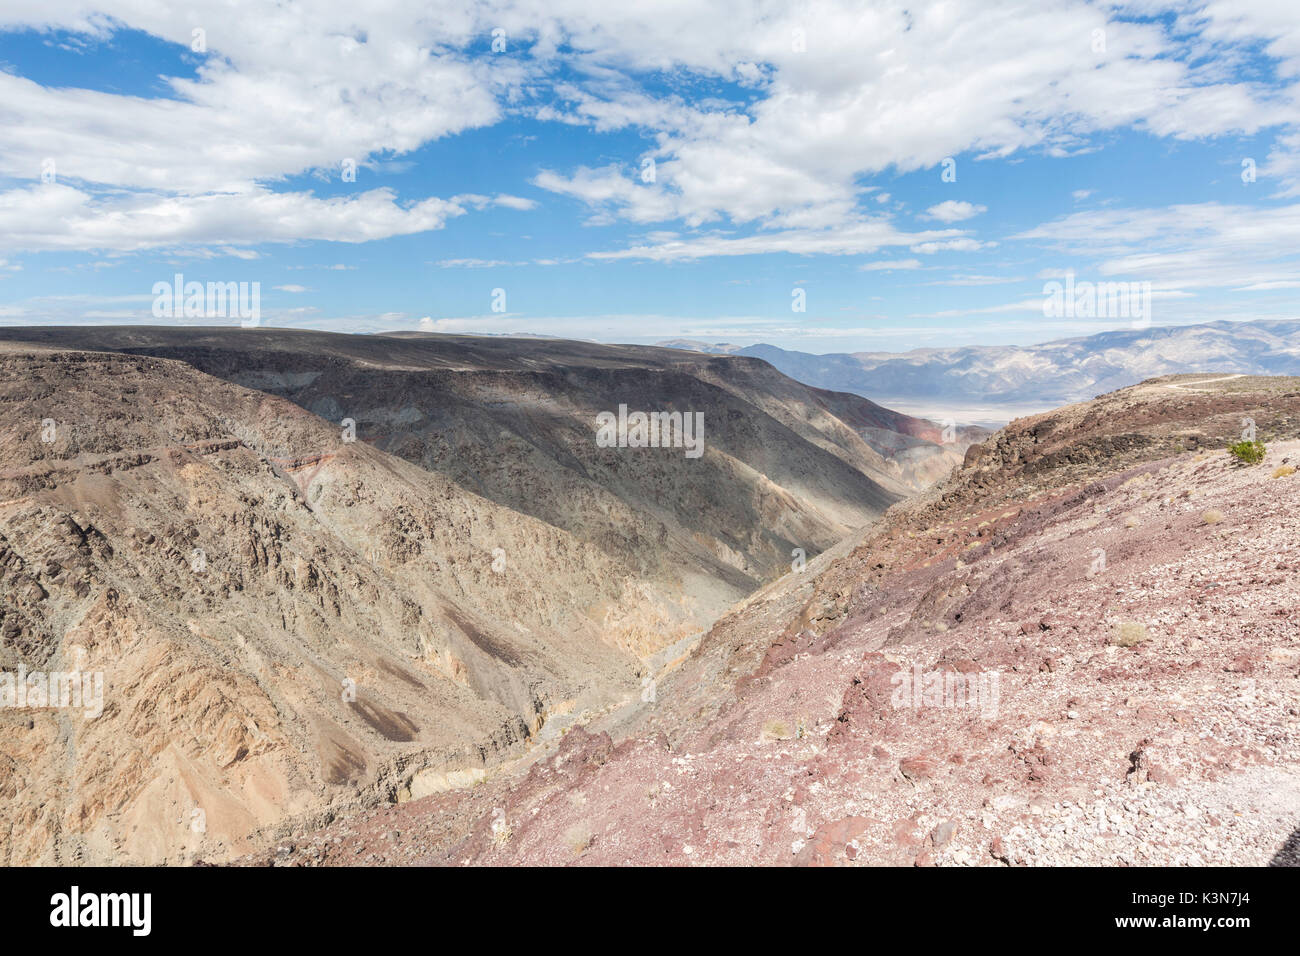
1132	589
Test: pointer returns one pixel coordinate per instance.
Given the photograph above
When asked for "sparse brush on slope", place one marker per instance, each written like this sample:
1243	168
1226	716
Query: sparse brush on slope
1247	452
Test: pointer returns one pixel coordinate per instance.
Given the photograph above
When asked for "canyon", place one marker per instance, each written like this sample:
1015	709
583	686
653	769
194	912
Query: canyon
316	570
1129	586
386	600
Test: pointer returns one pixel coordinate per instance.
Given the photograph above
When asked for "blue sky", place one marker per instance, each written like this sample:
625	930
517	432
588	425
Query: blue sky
795	146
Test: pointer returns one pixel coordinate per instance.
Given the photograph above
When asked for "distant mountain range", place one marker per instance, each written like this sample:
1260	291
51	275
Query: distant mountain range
996	383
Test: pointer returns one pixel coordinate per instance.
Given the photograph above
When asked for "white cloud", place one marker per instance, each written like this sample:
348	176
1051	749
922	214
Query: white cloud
965	244
59	217
609	186
285	91
977	280
888	264
515	202
954	210
1020	305
475	201
1283	166
896	85
289	92
1195	245
471	263
856	238
290	288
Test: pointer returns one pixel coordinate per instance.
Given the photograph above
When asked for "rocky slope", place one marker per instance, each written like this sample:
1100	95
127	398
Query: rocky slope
414	392
289	622
1108	600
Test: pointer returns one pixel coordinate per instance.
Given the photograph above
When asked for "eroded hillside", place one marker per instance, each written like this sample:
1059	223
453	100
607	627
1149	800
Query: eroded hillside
783	466
1106	602
289	623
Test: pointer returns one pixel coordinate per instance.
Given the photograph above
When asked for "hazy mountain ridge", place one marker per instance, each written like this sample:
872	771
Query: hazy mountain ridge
1046	375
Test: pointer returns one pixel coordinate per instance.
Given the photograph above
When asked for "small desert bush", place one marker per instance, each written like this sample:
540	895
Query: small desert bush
1283	471
1212	516
577	837
1131	522
1247	452
1129	634
777	730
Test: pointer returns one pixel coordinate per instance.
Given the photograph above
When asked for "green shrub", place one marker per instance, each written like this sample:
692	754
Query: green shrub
1248	452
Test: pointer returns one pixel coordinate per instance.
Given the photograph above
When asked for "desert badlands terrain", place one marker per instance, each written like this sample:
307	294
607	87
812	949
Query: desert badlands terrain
1125	589
315	570
386	600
